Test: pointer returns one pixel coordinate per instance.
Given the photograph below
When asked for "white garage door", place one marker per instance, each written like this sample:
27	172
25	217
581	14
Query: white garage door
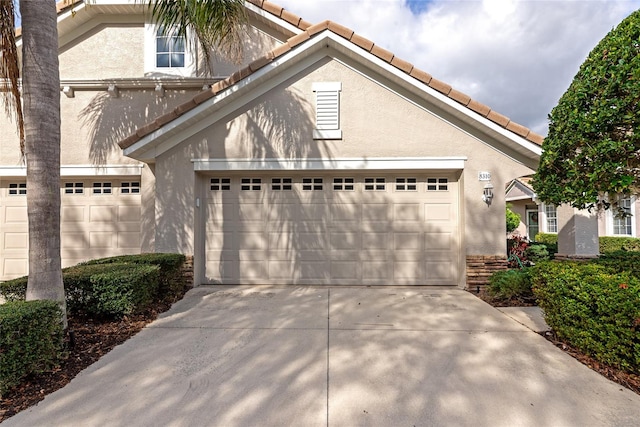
99	218
375	229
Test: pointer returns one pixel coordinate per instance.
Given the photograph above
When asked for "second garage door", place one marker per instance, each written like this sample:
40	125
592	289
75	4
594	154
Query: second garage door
373	229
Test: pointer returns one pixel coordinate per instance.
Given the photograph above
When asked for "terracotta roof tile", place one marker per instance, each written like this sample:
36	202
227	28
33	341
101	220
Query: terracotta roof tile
366	44
498	118
381	53
129	141
460	97
298	39
440	86
317	28
291	18
518	129
341	30
308	31
147	129
421	75
272	8
479	108
402	64
261	62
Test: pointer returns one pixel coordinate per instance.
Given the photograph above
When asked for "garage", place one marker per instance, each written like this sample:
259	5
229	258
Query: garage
371	228
100	217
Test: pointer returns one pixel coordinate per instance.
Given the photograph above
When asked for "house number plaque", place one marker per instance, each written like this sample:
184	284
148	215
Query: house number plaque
484	176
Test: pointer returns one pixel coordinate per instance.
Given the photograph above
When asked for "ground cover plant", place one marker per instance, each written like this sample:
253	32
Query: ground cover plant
91	335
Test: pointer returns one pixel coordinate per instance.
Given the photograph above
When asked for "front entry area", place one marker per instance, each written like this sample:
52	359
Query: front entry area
333	228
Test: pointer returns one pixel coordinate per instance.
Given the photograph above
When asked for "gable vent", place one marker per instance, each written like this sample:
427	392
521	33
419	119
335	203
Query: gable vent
327	110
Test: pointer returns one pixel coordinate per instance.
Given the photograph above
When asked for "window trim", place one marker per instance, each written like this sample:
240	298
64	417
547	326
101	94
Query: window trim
20	189
610	220
150	64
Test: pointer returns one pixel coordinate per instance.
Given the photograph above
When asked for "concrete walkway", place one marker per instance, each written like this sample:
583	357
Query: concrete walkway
312	356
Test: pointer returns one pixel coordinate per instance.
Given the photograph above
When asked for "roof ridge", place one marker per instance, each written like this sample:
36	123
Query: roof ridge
362	42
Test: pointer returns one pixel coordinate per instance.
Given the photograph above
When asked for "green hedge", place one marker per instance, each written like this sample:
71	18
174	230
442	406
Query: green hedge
510	284
113	286
31	340
170	269
594	307
607	243
110	290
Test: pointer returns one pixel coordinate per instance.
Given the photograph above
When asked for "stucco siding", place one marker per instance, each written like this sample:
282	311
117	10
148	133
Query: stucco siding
107	51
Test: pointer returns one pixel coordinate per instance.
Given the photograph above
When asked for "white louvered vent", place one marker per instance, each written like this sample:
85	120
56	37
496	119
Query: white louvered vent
327	110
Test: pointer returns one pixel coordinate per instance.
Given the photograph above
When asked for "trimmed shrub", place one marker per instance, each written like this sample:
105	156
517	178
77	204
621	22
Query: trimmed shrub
537	252
594	308
549	240
110	290
31	340
14	290
170	269
510	284
613	244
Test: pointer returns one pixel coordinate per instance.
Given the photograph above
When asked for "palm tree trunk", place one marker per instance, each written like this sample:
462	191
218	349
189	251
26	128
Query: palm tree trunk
41	96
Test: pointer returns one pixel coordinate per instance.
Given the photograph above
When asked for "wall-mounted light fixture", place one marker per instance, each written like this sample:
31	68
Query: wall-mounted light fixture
487	193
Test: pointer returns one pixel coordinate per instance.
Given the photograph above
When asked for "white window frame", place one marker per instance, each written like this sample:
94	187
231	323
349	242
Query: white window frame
150	65
19	188
545	218
610	220
327	108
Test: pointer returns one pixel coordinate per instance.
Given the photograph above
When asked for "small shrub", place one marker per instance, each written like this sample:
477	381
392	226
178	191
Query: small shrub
510	284
537	252
549	240
31	340
594	308
513	220
516	248
15	289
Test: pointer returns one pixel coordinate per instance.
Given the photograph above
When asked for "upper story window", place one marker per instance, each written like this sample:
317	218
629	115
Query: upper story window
166	52
170	49
327	110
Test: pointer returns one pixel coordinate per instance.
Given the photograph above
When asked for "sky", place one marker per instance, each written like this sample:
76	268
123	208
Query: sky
518	57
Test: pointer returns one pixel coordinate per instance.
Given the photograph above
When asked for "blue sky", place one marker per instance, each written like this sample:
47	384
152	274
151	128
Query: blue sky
418	6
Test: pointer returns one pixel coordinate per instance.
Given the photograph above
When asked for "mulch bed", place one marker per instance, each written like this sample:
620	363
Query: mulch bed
624	378
91	339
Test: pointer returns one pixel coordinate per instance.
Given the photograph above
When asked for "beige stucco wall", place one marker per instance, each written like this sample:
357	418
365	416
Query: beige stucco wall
106	51
375	123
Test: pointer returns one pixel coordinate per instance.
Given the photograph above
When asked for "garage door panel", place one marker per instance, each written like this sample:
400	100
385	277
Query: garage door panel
438	212
15	215
343	212
250	212
380	269
73	240
439	271
375	240
102	213
407	212
407	271
129	214
128	239
15	267
341	270
438	241
345	240
375	212
407	241
251	240
100	239
374	255
72	214
16	241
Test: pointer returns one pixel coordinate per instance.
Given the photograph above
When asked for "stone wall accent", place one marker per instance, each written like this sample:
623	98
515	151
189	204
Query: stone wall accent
565	257
187	271
481	267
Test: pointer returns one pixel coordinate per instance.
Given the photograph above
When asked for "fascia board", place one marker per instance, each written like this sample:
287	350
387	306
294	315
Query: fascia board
79	170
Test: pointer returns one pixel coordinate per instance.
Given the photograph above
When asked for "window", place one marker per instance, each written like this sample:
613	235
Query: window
170	49
312	184
374	184
18	189
437	184
130	188
623	226
101	188
251	184
343	184
220	184
406	184
73	188
552	218
327	110
279	184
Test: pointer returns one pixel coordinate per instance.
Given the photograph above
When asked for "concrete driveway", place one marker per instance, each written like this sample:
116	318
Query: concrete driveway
312	356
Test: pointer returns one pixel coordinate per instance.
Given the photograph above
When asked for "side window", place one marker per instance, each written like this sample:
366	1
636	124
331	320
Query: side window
130	187
73	188
170	49
18	189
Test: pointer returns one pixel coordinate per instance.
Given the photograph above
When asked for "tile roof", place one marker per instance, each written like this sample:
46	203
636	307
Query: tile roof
308	31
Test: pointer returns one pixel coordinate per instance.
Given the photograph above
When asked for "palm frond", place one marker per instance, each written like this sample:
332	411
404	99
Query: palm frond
217	24
10	68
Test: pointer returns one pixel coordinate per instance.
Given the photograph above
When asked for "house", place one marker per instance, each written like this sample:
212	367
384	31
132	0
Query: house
322	159
537	217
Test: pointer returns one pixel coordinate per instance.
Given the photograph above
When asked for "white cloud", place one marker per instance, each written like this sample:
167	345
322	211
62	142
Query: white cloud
518	57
